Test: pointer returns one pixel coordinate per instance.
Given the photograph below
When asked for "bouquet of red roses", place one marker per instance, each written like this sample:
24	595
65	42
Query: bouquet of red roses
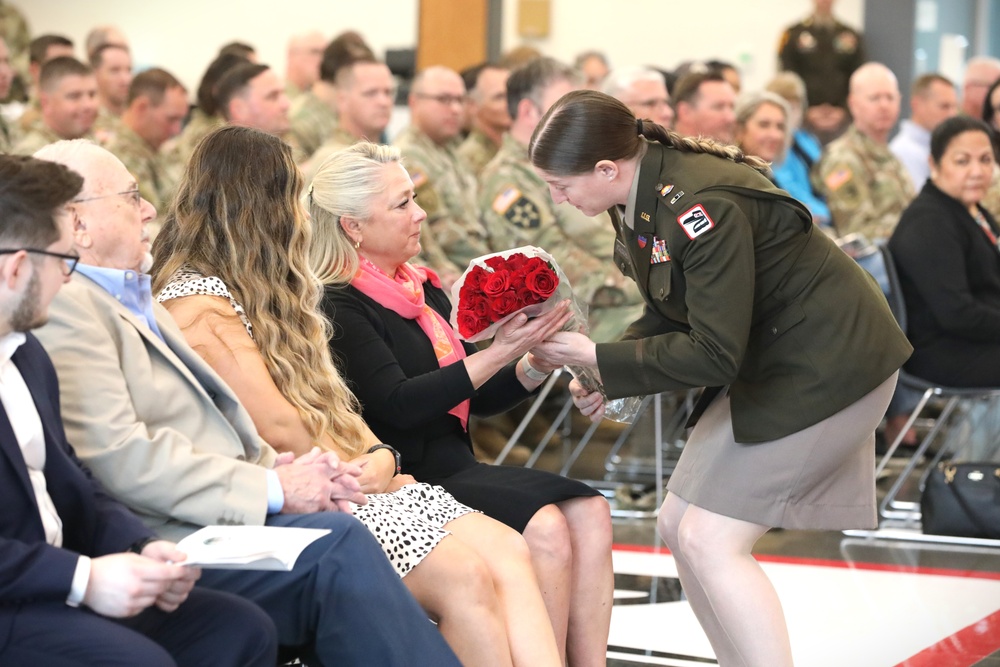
496	287
527	280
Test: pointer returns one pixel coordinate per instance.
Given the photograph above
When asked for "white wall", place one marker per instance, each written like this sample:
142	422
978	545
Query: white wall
184	35
668	32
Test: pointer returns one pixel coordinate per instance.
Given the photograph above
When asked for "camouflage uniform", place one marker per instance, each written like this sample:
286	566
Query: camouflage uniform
866	186
156	173
106	126
452	234
340	140
991	202
292	91
31	119
8	136
14	30
35	139
476	151
518	210
312	122
200	124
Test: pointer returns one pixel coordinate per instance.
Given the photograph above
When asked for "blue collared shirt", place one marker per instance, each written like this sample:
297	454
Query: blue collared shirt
912	145
131	289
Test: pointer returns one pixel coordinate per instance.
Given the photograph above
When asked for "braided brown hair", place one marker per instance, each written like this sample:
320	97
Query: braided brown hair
584	127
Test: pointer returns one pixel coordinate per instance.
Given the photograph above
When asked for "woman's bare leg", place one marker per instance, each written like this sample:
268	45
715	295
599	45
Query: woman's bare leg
455	587
529	632
547	536
592	580
716	549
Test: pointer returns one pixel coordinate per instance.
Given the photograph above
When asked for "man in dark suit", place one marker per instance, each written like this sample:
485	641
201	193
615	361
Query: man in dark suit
82	580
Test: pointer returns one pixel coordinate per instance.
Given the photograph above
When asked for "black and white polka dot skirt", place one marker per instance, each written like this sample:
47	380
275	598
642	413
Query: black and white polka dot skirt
408	523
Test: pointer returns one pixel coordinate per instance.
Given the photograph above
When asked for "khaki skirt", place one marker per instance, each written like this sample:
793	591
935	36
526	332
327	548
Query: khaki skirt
819	478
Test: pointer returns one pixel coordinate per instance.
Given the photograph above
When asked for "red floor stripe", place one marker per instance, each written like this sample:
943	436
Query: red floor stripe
965	647
821	562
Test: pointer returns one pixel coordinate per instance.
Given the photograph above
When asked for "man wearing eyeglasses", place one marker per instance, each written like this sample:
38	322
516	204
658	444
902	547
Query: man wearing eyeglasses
642	90
164	434
85	582
453	234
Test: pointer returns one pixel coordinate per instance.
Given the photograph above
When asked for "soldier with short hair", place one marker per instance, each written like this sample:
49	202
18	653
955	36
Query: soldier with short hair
866	186
68	103
112	65
518	210
157	103
490	117
453	235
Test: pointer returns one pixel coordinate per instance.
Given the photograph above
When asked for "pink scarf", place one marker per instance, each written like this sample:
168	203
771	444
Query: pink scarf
404	295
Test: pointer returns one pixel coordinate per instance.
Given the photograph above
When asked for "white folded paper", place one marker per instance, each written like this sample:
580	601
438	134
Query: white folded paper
248	547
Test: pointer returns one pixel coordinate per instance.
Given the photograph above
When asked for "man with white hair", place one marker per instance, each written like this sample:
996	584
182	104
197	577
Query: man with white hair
644	91
981	72
866	186
168	438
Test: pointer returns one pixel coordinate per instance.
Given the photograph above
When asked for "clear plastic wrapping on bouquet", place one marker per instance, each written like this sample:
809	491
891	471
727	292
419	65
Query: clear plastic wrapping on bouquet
484	302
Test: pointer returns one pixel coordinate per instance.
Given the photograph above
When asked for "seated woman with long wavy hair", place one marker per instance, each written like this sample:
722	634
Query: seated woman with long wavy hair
232	267
418	383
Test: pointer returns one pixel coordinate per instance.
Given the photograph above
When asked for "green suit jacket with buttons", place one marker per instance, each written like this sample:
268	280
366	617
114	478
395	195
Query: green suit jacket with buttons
752	297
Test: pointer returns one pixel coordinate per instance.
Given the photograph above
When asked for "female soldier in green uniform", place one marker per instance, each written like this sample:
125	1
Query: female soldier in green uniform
795	343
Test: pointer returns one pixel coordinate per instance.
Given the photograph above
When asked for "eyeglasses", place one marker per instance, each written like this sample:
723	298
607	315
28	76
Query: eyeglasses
444	98
68	261
132	194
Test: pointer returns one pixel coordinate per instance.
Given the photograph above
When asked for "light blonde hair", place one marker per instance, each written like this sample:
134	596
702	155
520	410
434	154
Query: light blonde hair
345	185
240	220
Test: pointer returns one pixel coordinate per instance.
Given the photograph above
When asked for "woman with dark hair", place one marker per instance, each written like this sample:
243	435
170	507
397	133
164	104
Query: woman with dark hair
945	250
744	296
232	267
418	384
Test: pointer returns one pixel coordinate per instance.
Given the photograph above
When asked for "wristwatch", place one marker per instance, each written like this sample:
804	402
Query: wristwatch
399	461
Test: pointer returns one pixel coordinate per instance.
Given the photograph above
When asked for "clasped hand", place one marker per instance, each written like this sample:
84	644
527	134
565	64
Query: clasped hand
318	481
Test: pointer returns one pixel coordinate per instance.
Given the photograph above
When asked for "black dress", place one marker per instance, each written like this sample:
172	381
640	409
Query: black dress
390	365
949	273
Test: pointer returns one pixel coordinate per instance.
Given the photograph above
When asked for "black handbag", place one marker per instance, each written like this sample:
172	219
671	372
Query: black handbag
962	500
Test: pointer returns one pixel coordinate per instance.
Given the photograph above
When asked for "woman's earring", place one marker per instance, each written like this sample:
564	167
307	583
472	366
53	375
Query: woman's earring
357	244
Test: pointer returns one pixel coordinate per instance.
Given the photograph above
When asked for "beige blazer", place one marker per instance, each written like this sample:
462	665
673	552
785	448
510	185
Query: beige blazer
153	422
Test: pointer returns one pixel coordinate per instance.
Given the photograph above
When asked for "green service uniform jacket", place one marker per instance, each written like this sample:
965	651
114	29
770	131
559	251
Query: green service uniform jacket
742	290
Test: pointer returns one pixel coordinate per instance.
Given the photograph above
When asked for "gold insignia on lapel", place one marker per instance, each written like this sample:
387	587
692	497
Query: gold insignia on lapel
644	216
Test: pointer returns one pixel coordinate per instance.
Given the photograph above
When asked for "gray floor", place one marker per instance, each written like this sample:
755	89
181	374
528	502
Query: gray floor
634	465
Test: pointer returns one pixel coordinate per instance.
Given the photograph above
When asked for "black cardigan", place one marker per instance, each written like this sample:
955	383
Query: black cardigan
949	273
390	365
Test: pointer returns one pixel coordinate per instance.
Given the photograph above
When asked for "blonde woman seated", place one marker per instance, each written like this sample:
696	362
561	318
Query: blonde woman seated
418	384
231	265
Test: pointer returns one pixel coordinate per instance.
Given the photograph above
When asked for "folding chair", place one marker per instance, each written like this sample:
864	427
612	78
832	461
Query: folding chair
898	516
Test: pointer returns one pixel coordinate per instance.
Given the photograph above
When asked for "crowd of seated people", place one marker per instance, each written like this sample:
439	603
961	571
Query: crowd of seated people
251	336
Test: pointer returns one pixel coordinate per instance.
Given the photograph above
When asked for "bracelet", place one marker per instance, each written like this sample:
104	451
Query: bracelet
531	372
395	454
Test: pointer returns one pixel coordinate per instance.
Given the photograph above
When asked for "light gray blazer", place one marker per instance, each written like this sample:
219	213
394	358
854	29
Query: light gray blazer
153	422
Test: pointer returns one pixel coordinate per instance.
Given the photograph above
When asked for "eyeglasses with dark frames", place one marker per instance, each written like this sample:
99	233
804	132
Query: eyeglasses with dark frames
68	261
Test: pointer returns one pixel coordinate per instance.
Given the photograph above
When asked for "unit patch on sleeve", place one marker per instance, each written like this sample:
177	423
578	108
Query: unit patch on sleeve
695	221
